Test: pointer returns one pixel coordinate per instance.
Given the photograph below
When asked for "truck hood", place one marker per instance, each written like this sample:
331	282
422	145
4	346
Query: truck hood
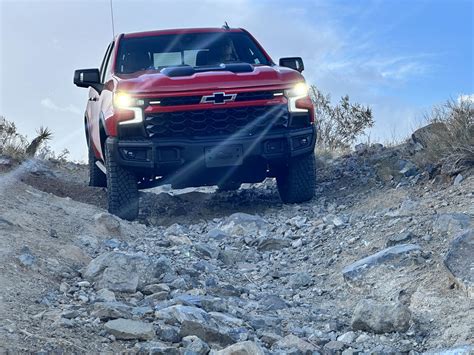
155	82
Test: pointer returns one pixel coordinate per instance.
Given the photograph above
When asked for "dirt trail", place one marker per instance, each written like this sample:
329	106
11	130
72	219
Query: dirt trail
276	273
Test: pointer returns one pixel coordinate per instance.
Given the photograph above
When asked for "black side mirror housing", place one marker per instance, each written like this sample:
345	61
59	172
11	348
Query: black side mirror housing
85	78
295	63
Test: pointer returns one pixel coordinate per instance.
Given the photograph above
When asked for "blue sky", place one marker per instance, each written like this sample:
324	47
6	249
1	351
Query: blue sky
399	57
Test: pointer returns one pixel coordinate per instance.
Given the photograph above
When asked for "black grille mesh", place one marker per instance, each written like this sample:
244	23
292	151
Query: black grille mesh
222	121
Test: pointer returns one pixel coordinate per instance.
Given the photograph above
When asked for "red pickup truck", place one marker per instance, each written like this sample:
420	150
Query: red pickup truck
195	107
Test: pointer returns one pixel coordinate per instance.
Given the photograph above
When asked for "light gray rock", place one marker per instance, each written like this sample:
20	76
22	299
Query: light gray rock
401	238
127	329
452	223
107	224
376	317
361	148
156	348
194	346
154	288
363	338
177	314
226	319
460	261
243	224
156	297
168	333
124	272
292	341
334	346
458	179
111	310
206	251
300	279
242	348
269	244
356	270
457	350
347	338
229	256
207	332
269	338
26	258
272	303
217	234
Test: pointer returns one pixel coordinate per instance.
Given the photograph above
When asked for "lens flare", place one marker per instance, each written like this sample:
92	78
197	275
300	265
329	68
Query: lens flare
122	99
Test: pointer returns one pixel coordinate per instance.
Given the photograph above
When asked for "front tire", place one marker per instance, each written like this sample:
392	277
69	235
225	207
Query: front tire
97	177
122	189
297	182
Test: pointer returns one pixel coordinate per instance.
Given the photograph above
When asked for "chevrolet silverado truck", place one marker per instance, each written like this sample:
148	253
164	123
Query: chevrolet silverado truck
196	107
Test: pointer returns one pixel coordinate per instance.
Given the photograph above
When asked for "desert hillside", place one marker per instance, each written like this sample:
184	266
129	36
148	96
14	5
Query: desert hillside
380	261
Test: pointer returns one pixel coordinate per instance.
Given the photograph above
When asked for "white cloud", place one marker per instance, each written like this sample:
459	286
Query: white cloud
49	104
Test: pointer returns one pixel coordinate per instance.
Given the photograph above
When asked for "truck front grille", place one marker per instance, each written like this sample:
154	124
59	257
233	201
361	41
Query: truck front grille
240	121
194	100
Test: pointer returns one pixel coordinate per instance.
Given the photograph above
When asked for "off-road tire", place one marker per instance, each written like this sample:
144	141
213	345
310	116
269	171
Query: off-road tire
122	189
97	177
297	182
229	186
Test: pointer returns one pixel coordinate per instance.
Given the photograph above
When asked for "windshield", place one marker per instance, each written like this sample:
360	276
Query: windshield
193	49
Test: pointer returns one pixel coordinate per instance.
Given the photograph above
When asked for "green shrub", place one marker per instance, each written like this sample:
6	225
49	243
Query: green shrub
339	126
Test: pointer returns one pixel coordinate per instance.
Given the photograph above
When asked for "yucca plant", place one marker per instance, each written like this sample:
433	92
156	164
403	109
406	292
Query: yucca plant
43	135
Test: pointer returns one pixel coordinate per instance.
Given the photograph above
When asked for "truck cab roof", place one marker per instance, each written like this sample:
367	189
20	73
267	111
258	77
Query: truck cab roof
180	31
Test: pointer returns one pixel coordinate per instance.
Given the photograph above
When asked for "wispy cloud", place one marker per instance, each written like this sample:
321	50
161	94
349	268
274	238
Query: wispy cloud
49	104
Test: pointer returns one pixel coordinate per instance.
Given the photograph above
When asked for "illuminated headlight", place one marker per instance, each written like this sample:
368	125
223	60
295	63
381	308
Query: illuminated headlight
124	100
299	91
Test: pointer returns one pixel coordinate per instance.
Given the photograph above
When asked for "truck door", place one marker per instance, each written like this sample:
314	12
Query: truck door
93	106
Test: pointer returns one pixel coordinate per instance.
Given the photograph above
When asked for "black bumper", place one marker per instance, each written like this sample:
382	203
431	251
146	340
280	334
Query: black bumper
163	156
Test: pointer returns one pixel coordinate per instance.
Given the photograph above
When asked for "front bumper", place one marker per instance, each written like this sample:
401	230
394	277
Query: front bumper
188	157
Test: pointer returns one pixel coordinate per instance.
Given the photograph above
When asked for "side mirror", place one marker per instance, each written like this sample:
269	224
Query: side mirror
295	63
84	78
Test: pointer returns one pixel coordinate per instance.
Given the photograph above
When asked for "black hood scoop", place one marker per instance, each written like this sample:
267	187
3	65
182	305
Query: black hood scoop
187	70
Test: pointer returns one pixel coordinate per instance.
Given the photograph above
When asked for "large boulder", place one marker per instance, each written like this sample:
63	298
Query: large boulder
429	134
124	272
376	317
460	261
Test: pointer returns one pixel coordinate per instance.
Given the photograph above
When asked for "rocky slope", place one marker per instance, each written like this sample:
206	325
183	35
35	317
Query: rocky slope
379	261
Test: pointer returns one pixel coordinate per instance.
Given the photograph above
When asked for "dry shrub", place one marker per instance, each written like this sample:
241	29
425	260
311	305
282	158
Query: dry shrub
16	146
451	139
340	125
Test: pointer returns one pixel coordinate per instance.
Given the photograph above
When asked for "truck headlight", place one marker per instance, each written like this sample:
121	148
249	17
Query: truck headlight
294	96
124	100
299	90
130	108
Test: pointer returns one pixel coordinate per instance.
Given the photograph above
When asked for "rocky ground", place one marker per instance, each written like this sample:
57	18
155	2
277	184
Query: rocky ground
380	261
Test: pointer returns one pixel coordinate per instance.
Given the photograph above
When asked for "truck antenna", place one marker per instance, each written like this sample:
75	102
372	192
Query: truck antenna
112	17
225	27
